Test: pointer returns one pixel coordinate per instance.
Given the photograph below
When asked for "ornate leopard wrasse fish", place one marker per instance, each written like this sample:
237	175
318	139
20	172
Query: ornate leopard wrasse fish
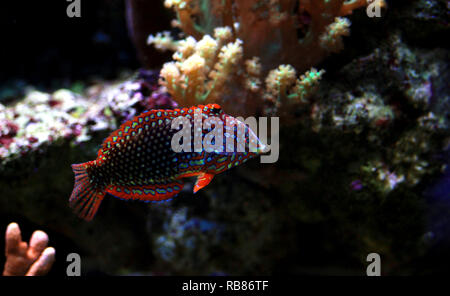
138	161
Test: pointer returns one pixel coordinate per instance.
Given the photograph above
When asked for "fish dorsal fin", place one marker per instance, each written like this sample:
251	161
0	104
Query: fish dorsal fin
154	192
202	180
134	126
138	123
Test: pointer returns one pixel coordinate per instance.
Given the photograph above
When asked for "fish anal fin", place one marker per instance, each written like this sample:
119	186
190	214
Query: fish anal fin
203	180
155	192
187	175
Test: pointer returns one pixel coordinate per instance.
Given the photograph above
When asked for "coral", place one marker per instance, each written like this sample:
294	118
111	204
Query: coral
373	127
381	177
125	99
369	109
251	39
185	238
283	88
43	119
34	178
400	120
425	20
33	259
295	32
332	38
202	68
163	41
410	153
202	235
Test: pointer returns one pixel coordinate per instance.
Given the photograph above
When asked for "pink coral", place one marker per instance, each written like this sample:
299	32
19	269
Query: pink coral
8	130
22	259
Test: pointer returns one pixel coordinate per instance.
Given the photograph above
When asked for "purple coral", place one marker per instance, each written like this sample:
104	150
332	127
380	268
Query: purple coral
8	130
356	185
132	97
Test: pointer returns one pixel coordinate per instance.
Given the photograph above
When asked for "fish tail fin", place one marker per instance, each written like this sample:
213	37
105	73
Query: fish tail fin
85	198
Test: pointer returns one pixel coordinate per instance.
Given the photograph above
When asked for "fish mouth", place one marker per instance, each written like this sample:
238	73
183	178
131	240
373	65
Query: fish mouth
262	148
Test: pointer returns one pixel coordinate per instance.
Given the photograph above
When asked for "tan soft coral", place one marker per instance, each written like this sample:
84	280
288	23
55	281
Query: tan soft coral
201	68
251	40
283	88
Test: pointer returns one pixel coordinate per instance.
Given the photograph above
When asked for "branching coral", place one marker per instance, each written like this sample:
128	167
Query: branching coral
278	31
202	68
22	259
283	87
185	238
332	39
251	39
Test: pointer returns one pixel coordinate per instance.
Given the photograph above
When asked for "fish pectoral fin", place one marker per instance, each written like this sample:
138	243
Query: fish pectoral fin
203	180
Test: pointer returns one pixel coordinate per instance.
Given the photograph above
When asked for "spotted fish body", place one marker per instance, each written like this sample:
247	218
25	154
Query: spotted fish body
137	160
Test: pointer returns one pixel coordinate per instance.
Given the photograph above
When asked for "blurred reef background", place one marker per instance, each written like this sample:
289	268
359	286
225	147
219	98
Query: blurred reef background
364	113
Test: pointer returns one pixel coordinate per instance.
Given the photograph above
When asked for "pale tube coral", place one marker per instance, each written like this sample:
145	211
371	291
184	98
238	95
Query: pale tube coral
22	259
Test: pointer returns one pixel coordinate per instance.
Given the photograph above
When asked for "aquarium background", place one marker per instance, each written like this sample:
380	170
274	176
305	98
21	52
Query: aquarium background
363	166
